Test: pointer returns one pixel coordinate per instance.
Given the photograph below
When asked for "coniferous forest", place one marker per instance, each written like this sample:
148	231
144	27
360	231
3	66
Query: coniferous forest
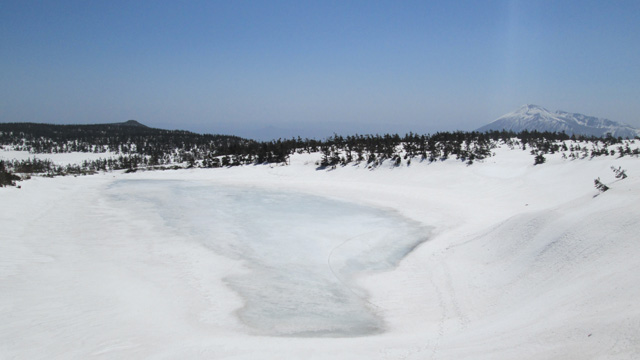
132	146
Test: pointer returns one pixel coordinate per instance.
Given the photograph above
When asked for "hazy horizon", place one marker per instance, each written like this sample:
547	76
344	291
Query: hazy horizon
315	68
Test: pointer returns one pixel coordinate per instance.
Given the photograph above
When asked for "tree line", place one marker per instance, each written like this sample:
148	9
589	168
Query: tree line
136	147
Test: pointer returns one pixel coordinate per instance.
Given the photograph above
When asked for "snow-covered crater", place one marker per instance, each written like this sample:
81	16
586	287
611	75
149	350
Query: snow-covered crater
300	254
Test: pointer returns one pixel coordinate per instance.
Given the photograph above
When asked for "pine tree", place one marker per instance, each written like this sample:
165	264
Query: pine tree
6	177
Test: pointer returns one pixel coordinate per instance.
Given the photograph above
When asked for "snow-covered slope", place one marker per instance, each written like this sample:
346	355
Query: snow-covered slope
522	261
533	117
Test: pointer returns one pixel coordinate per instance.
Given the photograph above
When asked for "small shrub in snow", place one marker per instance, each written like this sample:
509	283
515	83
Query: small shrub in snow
620	173
600	186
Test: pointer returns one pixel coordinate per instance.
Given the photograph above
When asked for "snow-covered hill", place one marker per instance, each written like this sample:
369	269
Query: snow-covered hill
533	117
521	261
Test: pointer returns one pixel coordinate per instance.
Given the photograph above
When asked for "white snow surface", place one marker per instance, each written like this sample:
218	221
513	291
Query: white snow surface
63	159
520	261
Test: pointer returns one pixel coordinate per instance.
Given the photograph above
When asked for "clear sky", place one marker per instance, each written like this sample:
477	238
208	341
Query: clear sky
316	67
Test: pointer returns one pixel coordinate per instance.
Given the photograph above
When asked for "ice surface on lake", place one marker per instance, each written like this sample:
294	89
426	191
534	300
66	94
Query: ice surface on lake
303	252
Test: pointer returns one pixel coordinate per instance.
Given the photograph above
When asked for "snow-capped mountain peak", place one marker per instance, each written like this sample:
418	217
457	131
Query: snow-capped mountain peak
533	117
530	112
531	109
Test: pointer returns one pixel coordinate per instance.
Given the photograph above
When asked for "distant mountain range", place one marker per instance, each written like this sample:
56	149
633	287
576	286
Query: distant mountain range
533	117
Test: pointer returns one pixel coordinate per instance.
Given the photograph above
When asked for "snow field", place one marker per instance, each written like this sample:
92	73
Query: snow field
57	158
522	261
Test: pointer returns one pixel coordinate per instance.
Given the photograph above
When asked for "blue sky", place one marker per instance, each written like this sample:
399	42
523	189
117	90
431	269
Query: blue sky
312	68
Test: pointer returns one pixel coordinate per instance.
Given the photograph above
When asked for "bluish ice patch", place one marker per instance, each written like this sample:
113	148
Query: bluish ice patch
303	252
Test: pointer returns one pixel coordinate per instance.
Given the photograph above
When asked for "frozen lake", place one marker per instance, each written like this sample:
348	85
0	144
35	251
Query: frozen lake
301	255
